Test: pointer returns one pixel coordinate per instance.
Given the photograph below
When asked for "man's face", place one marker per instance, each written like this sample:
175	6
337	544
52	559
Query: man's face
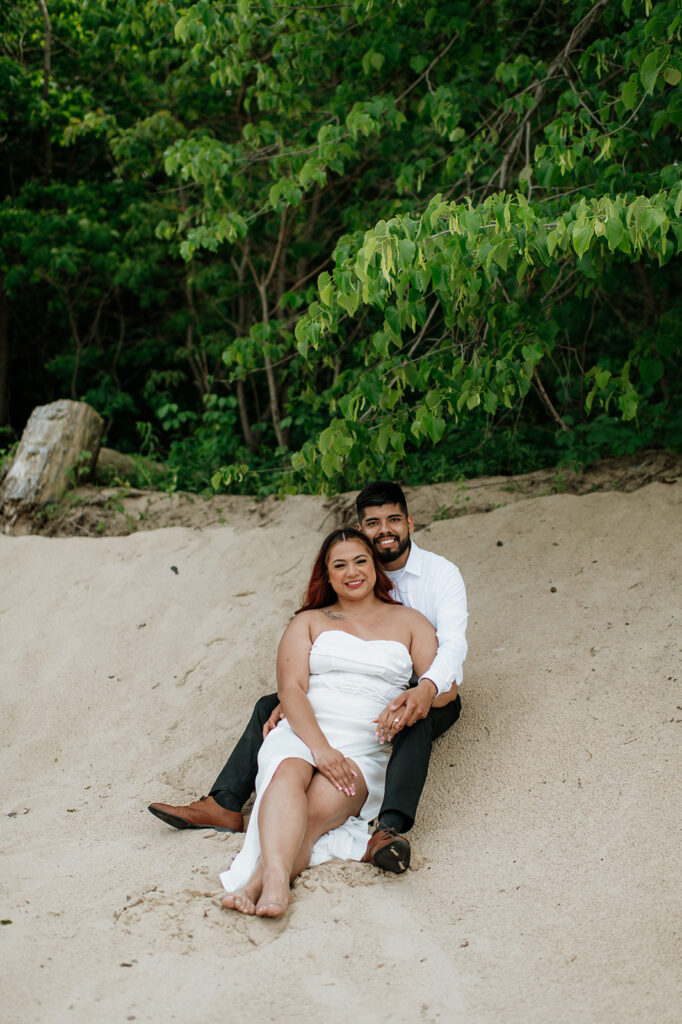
389	530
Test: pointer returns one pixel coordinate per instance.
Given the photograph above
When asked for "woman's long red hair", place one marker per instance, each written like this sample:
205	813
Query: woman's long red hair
321	594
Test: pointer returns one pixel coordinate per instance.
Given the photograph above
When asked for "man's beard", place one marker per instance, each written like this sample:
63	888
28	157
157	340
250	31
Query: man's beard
385	555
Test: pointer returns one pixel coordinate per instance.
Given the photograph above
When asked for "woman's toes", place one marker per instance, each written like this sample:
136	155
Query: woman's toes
244	905
238	901
271	909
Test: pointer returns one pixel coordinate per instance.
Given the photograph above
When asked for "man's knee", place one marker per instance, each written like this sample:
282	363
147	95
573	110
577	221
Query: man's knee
419	733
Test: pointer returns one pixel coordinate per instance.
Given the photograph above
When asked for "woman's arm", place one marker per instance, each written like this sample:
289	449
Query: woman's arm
424	643
414	703
293	674
425	649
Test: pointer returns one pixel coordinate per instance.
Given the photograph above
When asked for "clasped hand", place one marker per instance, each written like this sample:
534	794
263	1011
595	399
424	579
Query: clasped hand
405	710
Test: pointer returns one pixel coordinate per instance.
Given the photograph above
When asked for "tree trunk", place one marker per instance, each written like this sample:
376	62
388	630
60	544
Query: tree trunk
248	433
58	448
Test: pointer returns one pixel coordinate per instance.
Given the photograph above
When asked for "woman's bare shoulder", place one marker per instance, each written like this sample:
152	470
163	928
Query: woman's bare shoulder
412	618
311	621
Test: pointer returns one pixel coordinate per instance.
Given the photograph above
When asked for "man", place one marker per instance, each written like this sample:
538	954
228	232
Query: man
421	580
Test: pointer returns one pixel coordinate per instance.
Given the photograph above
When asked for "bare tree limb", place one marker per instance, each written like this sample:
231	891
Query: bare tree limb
546	399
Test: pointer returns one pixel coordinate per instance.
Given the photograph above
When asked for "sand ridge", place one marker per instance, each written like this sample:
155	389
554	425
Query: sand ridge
545	881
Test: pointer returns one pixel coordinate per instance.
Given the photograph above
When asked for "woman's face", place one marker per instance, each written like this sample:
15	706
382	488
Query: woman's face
351	569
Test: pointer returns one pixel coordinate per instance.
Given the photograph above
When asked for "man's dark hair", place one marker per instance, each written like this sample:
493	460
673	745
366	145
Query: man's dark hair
381	492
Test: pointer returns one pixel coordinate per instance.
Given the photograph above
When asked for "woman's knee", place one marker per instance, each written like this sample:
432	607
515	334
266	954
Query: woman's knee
293	771
327	807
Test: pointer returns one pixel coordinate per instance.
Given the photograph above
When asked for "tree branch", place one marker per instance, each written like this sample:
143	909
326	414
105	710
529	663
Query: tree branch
546	399
574	40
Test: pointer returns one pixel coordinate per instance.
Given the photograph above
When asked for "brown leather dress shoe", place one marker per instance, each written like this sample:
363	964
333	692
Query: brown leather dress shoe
203	813
388	850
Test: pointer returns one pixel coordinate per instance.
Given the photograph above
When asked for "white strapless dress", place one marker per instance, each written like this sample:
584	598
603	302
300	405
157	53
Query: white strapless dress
351	681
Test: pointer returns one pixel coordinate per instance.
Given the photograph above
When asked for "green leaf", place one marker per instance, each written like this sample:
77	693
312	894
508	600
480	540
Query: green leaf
650	69
672	75
614	232
628	94
650	370
384	434
406	251
349	302
490	402
501	254
325	288
329	464
628	404
392	315
582	236
436	429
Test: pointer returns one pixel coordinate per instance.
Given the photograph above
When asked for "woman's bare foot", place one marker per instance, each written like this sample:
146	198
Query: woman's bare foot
239	901
244	899
274	898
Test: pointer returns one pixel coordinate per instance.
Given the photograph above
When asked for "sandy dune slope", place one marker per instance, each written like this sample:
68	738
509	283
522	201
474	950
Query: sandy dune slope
545	882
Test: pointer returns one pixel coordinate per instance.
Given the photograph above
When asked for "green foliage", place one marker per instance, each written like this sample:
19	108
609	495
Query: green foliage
316	244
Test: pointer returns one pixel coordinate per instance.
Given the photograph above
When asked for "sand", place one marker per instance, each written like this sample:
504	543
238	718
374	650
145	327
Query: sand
545	879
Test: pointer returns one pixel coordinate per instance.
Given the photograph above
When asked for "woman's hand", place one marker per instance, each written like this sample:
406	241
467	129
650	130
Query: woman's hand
337	768
405	710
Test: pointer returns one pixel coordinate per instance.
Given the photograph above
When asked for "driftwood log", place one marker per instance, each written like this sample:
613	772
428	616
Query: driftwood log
58	448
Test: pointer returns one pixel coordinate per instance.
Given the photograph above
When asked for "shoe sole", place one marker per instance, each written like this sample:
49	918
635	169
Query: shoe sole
395	856
172	819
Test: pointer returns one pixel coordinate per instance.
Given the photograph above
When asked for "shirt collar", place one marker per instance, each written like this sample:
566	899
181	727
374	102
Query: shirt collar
415	560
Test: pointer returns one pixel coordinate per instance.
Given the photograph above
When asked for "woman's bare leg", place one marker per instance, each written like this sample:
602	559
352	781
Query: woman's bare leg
327	809
294	812
282	823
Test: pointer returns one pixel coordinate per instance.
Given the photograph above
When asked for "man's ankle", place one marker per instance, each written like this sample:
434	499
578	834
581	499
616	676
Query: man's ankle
393	820
226	801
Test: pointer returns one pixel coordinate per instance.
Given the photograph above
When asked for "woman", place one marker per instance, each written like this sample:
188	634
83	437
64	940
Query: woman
348	651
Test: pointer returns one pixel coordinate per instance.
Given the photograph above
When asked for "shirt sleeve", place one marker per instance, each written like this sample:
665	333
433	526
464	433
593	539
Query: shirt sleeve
450	605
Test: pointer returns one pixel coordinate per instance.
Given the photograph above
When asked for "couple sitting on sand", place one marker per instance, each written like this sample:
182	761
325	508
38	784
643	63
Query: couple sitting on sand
373	656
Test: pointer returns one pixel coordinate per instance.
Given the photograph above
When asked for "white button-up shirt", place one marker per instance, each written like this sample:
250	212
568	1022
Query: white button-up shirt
434	586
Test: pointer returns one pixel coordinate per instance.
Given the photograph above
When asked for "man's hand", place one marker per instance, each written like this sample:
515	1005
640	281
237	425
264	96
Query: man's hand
405	710
276	716
337	768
